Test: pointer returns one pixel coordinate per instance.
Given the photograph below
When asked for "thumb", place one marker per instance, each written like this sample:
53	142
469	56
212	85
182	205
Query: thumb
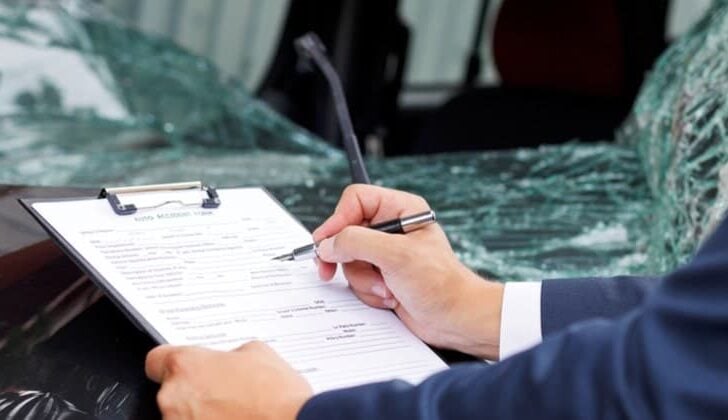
358	243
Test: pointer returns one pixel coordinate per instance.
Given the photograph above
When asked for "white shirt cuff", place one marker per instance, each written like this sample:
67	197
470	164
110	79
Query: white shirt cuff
520	317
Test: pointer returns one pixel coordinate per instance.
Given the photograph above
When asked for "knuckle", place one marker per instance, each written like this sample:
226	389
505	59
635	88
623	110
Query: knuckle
177	362
420	201
166	402
353	190
350	189
256	345
362	189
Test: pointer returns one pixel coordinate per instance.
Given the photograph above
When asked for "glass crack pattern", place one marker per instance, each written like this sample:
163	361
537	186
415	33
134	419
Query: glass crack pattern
87	101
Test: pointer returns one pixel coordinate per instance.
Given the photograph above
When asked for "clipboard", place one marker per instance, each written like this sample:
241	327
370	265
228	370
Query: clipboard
211	200
119	203
160	267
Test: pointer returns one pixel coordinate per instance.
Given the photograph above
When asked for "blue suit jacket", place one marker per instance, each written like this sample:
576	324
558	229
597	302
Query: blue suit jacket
659	350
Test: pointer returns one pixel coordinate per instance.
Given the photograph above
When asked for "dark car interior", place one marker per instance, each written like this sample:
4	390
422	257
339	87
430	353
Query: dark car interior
568	70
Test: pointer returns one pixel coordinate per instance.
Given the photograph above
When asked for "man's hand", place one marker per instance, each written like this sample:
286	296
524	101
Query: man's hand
417	275
252	382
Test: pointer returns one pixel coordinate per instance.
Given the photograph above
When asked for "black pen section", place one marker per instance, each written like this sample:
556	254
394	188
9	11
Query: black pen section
390	226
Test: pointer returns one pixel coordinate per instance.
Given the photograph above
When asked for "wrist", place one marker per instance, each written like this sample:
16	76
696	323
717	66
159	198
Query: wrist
293	406
480	314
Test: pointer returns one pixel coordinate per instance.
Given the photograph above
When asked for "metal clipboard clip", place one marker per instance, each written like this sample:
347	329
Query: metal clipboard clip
210	201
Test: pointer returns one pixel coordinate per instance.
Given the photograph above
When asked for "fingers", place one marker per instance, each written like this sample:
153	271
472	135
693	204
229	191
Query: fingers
169	397
154	366
360	204
364	279
165	359
255	346
162	360
333	225
357	243
368	284
326	270
203	383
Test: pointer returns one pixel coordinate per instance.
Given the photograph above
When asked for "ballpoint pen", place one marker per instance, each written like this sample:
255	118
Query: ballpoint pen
402	225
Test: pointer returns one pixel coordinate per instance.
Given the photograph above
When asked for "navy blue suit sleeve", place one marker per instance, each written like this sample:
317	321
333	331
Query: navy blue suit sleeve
664	359
567	301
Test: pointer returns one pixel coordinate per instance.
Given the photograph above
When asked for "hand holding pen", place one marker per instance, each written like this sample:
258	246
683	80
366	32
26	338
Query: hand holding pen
416	274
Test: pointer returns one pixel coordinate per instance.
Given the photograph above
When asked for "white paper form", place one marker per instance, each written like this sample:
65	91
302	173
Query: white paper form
205	277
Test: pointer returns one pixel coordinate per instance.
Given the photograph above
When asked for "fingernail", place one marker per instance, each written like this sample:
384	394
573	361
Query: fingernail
380	290
390	303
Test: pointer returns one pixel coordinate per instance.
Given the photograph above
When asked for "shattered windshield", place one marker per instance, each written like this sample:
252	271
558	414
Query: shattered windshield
87	101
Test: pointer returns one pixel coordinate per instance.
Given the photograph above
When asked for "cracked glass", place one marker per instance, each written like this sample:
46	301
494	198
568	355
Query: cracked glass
88	101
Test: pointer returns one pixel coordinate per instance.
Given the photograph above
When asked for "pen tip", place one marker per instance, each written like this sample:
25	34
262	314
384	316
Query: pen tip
284	257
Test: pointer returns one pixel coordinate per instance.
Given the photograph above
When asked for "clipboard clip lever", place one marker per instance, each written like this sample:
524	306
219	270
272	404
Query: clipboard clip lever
211	201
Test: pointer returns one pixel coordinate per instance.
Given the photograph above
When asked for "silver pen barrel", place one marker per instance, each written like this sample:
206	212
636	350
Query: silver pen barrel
416	221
